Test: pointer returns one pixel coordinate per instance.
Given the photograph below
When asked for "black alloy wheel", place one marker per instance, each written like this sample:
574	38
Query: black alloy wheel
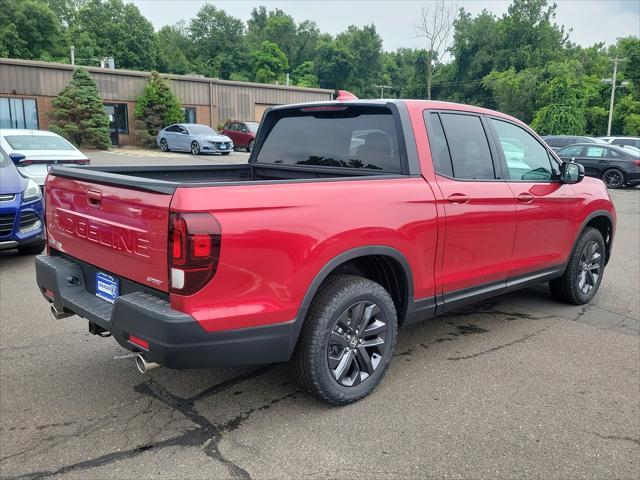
613	178
347	340
357	343
589	268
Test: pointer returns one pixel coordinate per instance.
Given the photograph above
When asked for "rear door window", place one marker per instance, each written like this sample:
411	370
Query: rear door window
355	137
468	147
573	151
596	152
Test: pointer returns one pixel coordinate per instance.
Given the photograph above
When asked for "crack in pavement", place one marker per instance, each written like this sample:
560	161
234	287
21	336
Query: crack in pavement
522	339
617	437
206	435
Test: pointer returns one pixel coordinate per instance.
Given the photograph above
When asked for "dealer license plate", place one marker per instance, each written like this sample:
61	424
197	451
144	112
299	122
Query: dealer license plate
107	287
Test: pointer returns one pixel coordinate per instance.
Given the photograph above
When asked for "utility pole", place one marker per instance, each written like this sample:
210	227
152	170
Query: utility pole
613	91
382	87
73	55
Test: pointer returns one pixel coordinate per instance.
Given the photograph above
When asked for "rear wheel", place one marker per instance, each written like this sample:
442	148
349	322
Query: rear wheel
613	178
582	277
195	148
226	153
250	146
164	146
34	249
347	341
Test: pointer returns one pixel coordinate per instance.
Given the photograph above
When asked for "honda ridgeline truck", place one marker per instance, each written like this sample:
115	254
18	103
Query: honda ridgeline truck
350	220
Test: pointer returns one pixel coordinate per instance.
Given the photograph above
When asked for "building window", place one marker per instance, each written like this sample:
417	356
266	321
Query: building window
18	113
118	117
189	114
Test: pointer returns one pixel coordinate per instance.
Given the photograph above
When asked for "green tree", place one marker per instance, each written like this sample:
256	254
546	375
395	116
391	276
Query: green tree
156	108
335	65
365	46
78	113
173	46
304	75
269	62
515	93
28	29
111	28
218	43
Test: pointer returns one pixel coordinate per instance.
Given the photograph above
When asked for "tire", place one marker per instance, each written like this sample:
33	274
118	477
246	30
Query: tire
323	361
250	146
613	178
195	148
164	146
226	153
34	249
581	279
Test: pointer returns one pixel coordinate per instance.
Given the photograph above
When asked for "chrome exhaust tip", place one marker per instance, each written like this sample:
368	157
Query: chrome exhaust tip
60	314
143	365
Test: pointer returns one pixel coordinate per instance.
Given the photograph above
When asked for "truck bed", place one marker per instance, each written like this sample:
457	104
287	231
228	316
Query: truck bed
165	179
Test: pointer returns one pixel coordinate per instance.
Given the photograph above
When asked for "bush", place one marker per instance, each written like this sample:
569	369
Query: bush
78	113
156	108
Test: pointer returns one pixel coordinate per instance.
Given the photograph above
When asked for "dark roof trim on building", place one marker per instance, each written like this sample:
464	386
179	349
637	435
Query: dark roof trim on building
135	73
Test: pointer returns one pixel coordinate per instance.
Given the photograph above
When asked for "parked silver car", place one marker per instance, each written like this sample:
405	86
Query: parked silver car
194	138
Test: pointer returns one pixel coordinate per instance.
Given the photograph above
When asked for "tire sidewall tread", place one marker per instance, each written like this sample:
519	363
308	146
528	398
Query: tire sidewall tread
309	358
566	287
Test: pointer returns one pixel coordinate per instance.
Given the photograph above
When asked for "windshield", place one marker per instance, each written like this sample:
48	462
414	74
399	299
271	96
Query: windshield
253	126
38	142
201	130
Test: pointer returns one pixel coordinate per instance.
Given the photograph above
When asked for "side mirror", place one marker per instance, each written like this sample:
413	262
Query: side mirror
571	172
16	157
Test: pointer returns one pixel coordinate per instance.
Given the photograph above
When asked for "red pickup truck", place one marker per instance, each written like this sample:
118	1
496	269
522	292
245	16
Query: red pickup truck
350	219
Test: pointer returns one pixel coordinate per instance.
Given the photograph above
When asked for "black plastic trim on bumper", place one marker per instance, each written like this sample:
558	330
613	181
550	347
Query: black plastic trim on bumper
176	340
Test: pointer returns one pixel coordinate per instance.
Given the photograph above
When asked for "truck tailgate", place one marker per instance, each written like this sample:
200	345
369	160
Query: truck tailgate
118	229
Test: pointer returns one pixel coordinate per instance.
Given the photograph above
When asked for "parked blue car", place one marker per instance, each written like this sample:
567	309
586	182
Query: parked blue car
21	210
194	138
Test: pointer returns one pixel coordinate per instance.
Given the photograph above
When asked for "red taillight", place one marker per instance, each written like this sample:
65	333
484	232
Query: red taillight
194	243
637	162
139	342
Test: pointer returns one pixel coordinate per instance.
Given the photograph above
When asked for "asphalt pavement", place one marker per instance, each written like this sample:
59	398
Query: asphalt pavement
517	387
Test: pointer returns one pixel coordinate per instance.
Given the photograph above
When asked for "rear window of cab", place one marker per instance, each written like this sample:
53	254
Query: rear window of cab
343	137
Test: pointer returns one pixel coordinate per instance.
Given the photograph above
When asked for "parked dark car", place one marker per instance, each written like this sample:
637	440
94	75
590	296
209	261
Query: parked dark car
616	166
556	142
243	134
21	210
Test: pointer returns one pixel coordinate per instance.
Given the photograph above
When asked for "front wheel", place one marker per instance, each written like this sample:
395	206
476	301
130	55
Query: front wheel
582	277
347	341
33	249
195	148
613	178
226	153
250	146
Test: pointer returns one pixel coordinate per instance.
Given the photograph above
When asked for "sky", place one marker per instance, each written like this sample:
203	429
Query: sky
591	21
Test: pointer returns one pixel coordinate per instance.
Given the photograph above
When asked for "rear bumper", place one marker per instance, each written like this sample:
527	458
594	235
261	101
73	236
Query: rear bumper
175	339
